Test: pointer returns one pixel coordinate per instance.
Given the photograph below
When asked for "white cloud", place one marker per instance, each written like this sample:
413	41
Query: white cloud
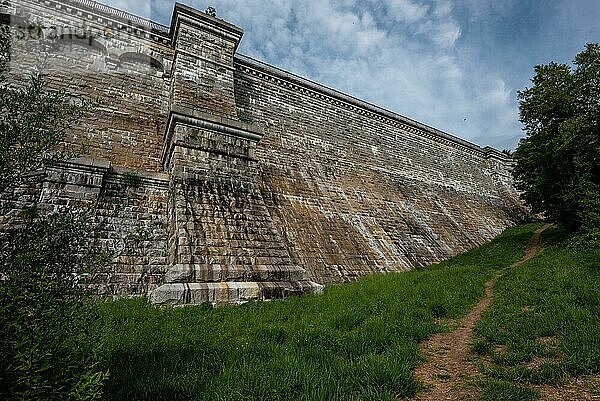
399	54
497	96
406	10
444	34
443	9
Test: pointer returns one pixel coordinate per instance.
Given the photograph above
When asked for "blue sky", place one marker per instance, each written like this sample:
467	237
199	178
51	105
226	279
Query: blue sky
455	65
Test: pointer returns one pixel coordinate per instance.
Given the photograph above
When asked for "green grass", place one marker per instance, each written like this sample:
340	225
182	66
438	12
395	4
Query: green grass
505	391
356	341
544	323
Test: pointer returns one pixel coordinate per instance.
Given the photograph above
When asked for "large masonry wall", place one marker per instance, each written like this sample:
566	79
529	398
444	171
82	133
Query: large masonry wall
124	65
219	178
356	191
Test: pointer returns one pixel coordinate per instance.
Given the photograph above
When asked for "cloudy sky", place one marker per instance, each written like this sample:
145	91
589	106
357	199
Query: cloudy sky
453	64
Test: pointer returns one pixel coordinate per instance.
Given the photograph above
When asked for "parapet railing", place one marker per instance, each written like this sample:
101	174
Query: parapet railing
103	8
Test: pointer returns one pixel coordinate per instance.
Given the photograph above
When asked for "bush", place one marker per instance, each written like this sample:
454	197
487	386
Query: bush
46	315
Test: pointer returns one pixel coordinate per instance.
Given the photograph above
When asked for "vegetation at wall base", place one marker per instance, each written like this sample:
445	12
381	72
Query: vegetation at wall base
357	341
47	320
543	326
47	331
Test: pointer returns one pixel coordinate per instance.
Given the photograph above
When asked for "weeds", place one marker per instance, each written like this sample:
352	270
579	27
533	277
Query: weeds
356	341
544	323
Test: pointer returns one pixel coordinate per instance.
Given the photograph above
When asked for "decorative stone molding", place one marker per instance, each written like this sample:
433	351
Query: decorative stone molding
307	87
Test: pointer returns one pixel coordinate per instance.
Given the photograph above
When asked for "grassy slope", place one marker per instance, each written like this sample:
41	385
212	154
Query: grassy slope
357	341
544	324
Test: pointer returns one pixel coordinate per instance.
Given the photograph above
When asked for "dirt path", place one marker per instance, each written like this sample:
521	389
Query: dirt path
579	388
448	373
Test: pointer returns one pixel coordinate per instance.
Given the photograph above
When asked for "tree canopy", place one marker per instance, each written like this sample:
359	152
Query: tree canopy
558	162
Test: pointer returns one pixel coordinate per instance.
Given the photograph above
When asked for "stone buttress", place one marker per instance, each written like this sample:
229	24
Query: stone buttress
222	243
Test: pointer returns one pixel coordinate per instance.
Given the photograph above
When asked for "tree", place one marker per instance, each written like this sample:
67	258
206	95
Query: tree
46	320
558	162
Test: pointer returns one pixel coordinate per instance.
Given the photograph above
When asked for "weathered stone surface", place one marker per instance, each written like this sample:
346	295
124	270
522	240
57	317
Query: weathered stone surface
218	178
229	292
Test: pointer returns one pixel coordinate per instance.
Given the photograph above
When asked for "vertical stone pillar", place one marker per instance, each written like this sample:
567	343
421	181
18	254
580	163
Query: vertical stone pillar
202	75
223	245
500	167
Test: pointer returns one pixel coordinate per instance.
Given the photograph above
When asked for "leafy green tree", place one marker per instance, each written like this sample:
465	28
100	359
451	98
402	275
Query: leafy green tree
46	319
558	162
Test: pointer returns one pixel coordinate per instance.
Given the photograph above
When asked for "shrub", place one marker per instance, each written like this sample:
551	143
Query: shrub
46	317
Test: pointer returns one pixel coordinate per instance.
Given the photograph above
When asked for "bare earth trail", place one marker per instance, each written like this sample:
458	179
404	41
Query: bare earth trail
448	372
580	389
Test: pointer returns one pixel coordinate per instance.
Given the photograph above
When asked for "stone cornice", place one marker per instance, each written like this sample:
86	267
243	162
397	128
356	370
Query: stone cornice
307	87
209	122
202	20
104	168
110	17
492	153
146	178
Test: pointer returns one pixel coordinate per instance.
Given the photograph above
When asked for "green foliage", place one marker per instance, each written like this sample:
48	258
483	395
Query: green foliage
496	390
558	162
542	326
356	341
585	240
47	322
131	178
33	123
89	387
46	337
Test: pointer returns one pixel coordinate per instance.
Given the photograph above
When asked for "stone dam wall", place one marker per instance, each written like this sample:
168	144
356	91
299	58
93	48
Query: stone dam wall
235	180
